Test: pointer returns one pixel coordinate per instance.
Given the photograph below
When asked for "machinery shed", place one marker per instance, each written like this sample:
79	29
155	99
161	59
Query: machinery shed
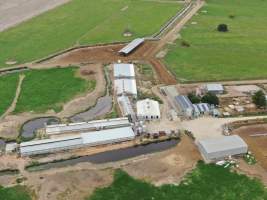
123	70
219	148
215	88
131	46
184	106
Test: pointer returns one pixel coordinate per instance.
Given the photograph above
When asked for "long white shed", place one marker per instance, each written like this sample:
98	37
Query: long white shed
86	126
80	140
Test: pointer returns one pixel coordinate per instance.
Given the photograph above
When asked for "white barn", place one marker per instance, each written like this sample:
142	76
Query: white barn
123	70
125	86
148	109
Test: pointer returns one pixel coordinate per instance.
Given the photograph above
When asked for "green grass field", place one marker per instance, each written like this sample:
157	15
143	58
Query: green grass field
237	54
8	86
49	89
206	182
14	193
82	22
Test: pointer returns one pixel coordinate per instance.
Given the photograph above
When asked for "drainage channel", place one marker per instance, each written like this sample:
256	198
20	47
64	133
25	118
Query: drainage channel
110	156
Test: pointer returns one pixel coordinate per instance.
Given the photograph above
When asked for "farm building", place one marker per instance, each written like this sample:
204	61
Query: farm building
214	88
108	136
148	109
50	145
131	46
124	71
219	148
94	138
86	126
11	147
126	107
201	109
183	106
125	86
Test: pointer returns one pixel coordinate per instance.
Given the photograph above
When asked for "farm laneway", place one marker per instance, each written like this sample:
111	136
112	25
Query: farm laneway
109	53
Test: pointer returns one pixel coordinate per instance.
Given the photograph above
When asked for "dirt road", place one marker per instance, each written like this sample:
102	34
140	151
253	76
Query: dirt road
13	12
13	105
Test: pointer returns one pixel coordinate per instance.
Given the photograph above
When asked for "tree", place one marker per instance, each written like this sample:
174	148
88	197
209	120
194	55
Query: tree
259	99
193	98
210	98
222	28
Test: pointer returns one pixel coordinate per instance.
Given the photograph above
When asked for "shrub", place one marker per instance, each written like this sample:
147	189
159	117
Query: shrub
259	99
194	98
222	28
210	99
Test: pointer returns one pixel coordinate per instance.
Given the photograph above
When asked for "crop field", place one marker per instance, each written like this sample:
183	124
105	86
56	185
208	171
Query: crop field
49	89
206	182
42	90
8	86
82	22
204	54
14	193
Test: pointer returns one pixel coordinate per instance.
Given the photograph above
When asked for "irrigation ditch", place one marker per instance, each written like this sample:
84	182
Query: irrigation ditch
108	156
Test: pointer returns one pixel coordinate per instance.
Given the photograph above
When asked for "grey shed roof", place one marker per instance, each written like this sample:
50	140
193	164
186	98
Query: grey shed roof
132	45
201	107
124	70
81	126
214	87
107	136
184	102
221	147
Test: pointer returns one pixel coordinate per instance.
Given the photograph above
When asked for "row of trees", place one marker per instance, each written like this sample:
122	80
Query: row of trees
209	98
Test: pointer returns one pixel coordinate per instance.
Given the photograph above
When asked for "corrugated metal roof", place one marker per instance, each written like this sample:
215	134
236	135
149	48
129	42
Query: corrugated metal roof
62	128
184	102
127	86
107	136
124	70
125	105
214	87
48	145
132	45
148	107
201	107
83	139
222	144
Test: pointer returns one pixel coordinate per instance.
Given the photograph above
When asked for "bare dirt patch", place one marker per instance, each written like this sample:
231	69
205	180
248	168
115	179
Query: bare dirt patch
167	167
258	145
